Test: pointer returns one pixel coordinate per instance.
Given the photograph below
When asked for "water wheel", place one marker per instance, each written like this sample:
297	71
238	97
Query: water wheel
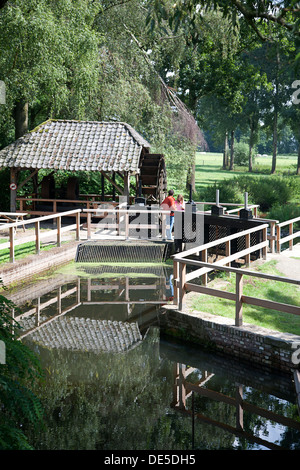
153	178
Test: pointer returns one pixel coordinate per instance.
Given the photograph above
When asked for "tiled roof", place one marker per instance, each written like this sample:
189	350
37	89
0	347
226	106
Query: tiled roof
85	334
77	146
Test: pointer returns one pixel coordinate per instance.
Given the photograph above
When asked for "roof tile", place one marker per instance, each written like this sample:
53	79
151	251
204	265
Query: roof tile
80	145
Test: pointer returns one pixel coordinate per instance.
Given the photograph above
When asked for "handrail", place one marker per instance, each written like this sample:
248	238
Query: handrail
180	262
292	235
40	219
237	296
37	237
220	241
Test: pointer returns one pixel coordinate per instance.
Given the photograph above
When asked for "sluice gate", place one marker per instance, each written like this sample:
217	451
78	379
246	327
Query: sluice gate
138	251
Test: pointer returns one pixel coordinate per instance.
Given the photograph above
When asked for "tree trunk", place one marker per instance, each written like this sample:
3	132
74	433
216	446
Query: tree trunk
275	131
251	145
232	151
21	118
298	162
275	138
225	155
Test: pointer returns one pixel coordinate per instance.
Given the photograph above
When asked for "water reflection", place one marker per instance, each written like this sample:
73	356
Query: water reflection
113	382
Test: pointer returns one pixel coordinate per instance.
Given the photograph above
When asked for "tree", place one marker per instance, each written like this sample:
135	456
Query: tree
49	59
20	407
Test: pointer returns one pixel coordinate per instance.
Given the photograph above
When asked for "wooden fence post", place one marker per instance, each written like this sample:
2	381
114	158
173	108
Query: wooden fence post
175	278
89	221
247	240
181	293
265	238
78	226
291	233
278	235
12	244
204	259
58	223
37	238
272	234
163	226
238	300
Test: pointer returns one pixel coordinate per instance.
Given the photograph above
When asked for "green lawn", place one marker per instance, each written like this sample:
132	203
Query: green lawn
259	288
208	168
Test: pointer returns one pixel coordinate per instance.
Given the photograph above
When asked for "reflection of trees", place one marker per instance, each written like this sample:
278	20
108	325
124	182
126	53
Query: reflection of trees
233	411
126	402
103	401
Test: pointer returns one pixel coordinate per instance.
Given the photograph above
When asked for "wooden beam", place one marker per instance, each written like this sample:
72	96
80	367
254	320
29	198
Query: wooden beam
13	192
28	178
112	182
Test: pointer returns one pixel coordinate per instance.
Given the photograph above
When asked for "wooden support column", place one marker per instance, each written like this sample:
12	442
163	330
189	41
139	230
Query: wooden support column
114	188
181	291
13	192
11	244
102	188
238	300
126	185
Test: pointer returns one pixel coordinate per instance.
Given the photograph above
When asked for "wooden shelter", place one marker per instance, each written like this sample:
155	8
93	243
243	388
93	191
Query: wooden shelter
111	148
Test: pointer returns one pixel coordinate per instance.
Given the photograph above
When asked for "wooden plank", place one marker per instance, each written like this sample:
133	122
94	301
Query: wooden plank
192	251
281	307
241	271
238	299
210	291
201	271
181	285
287	222
289	237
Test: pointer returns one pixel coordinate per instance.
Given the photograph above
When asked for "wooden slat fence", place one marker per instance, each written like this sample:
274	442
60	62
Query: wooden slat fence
38	235
182	278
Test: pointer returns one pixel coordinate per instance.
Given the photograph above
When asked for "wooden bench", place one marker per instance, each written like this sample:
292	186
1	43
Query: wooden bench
10	217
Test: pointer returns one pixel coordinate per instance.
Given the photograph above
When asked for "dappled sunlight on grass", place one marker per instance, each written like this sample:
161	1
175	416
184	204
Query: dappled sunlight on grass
258	288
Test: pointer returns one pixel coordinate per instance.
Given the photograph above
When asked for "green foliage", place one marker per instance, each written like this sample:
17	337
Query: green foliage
228	192
241	154
20	407
266	191
285	212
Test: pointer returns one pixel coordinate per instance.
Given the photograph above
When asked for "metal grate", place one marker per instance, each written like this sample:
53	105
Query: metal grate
123	252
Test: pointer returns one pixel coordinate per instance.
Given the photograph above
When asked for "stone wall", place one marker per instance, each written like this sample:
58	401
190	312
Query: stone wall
248	342
24	269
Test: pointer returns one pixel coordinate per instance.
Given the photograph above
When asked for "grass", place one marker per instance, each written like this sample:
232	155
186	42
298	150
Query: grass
208	169
259	288
21	251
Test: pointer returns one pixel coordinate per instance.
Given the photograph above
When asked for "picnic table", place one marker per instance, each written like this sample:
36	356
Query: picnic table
10	217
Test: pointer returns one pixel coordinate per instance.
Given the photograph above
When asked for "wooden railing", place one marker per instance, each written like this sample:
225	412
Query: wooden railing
291	236
119	220
182	278
38	235
88	203
184	388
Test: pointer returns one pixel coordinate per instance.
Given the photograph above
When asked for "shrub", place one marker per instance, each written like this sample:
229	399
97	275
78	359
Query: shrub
241	154
286	212
228	192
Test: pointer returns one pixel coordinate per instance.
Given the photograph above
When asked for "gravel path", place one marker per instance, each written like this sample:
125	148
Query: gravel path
288	261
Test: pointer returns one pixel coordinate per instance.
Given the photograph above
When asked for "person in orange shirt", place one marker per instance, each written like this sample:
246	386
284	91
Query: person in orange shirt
169	203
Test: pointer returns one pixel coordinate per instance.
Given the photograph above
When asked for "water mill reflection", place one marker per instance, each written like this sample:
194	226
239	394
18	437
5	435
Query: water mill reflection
114	382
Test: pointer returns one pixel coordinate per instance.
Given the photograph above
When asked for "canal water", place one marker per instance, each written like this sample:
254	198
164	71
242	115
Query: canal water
113	381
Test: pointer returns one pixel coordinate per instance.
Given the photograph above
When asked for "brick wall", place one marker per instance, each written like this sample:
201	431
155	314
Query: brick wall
248	342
